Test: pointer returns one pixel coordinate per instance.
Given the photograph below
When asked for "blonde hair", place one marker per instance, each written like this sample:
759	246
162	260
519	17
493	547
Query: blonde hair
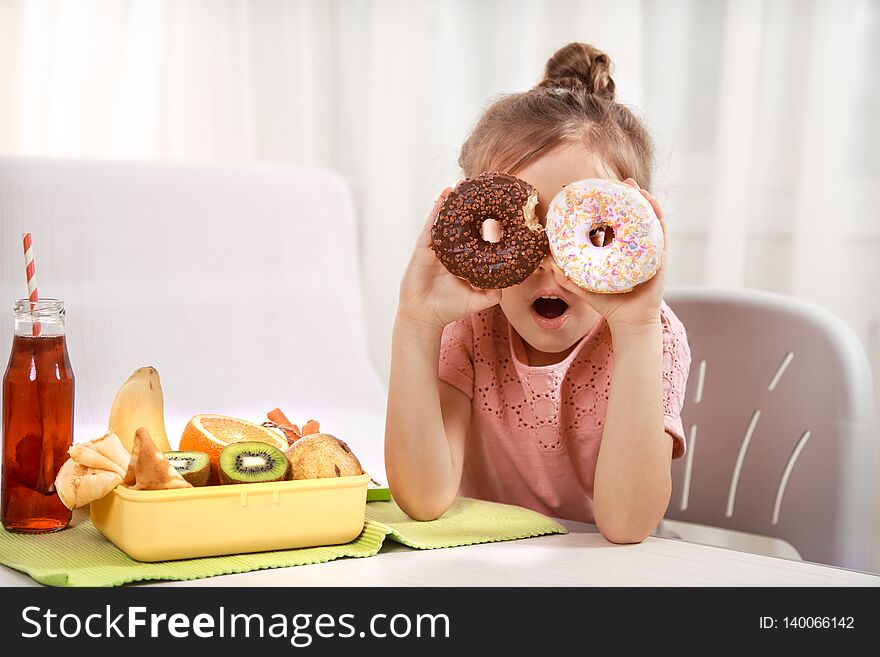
574	103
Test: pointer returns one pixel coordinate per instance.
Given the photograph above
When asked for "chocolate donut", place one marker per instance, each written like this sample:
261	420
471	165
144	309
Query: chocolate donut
487	233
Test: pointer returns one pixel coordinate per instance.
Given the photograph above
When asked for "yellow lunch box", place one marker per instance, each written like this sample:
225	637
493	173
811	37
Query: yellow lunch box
162	525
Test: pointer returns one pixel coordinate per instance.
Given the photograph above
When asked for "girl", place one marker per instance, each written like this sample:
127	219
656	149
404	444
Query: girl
542	394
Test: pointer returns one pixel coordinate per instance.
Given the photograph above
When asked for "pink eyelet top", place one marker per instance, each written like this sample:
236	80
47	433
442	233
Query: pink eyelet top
535	431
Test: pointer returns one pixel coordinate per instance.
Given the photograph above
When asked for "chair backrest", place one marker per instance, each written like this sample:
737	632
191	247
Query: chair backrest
241	285
780	420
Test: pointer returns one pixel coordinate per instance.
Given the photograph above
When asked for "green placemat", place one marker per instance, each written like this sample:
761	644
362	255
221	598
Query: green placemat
81	556
467	522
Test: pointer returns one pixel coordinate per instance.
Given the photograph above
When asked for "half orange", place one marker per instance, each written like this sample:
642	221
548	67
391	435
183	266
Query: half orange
211	433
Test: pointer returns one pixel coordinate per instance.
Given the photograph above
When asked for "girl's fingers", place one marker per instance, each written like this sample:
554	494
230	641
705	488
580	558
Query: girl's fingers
489	293
479	298
660	216
654	204
648	197
425	235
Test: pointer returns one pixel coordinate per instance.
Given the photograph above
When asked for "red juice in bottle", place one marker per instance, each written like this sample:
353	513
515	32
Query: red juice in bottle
37	419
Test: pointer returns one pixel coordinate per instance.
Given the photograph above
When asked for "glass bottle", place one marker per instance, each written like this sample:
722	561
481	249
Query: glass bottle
37	419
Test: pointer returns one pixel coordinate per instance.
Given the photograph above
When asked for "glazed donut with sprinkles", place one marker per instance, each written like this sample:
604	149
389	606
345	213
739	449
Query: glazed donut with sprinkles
604	235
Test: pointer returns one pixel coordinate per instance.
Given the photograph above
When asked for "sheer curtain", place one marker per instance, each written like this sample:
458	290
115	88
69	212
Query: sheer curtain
764	113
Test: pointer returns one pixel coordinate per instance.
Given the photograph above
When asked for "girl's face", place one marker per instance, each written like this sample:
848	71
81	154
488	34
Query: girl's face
550	319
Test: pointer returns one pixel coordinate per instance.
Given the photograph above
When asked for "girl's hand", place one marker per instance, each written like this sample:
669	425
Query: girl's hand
429	294
641	306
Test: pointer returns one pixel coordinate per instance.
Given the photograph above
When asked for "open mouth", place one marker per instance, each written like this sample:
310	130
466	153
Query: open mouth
549	307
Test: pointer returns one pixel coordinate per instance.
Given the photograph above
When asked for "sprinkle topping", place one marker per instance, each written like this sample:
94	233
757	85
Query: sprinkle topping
635	251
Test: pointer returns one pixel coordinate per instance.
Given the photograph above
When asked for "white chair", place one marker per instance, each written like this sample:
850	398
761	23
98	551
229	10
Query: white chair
781	428
240	285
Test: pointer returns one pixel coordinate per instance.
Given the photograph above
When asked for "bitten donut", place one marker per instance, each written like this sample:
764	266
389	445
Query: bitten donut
487	233
604	235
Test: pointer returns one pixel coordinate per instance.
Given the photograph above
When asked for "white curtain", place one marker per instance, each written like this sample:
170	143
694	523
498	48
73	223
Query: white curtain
764	112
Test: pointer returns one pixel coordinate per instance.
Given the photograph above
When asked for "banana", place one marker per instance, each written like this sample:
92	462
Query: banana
139	403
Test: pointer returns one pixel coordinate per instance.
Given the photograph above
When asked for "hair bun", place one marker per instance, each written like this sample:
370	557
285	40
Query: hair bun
580	64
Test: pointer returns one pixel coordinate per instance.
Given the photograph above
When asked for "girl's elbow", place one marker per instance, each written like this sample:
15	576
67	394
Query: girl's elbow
623	535
623	529
419	504
423	510
629	525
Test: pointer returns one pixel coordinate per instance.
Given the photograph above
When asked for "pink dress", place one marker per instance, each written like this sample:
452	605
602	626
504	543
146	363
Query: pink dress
535	431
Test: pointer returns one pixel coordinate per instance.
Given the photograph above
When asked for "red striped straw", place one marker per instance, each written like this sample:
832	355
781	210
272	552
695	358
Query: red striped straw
33	295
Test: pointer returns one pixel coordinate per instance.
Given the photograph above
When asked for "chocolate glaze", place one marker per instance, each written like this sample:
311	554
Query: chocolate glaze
457	240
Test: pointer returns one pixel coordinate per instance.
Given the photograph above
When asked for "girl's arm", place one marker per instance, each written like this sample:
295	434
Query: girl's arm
425	426
632	484
427	419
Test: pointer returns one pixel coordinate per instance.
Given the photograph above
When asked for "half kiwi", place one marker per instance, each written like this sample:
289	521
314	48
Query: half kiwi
195	467
251	462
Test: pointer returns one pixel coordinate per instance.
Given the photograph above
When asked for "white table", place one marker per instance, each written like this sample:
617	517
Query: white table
581	558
